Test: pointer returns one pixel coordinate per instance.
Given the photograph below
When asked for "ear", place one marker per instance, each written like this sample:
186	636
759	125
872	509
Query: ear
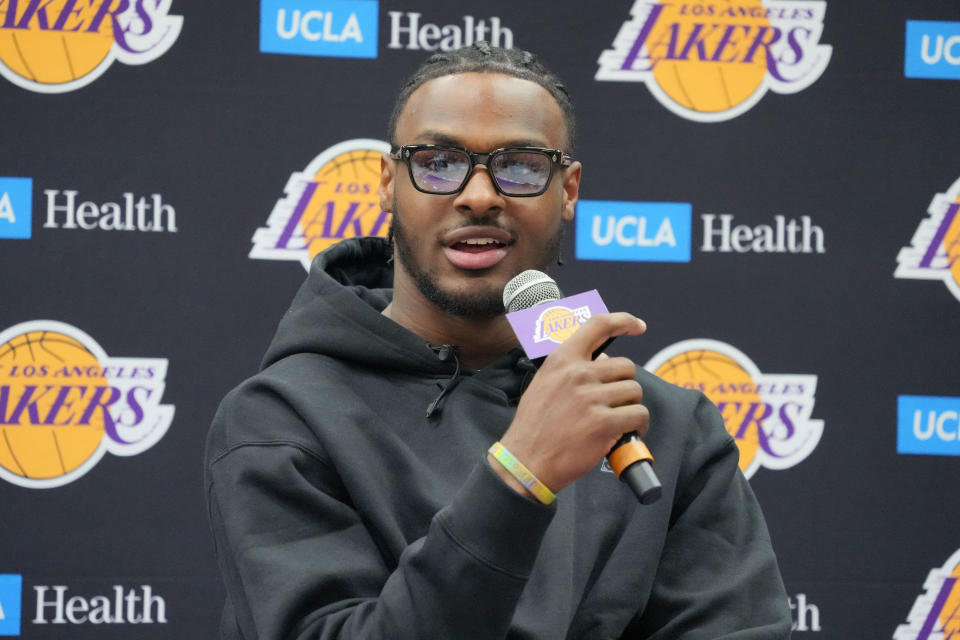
571	189
387	175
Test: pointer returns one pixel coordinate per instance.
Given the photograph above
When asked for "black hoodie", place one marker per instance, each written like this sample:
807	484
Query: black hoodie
350	497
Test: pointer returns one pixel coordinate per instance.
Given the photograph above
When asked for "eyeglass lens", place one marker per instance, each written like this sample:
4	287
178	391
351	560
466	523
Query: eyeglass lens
516	172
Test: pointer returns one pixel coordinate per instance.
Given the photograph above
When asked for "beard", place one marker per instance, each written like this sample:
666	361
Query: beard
480	300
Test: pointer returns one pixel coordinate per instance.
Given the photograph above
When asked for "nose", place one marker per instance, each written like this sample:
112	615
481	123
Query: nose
479	195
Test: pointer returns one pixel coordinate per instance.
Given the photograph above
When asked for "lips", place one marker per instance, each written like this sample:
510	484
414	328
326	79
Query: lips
476	247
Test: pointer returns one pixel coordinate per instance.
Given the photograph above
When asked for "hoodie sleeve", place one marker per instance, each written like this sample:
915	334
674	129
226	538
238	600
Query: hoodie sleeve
299	562
718	575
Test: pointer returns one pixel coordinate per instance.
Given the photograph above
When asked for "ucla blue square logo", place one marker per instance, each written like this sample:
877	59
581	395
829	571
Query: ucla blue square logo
634	231
928	425
932	50
16	207
11	586
338	28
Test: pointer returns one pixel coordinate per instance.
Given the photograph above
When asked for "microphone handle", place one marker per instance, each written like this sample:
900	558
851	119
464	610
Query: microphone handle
633	460
631	456
630	460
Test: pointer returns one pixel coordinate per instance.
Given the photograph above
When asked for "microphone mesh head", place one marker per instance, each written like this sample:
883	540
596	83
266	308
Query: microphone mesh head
529	289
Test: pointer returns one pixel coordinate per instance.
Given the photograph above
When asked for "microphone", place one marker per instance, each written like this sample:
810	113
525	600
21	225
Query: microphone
531	292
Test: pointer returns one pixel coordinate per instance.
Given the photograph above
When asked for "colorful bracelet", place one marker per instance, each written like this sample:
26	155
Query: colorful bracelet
521	473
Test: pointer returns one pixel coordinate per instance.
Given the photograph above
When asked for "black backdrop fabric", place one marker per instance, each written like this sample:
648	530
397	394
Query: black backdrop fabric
168	169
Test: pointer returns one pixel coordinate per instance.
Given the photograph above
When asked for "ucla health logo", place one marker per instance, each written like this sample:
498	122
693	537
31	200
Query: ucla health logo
62	45
711	61
64	403
928	425
934	252
334	198
16	207
640	231
341	28
768	414
932	50
11	587
936	613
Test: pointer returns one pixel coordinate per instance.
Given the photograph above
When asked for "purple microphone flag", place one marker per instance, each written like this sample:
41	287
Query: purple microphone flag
541	328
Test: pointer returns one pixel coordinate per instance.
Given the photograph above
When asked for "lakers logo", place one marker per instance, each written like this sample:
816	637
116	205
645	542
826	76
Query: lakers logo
769	415
64	403
936	613
334	198
712	60
934	253
559	323
61	45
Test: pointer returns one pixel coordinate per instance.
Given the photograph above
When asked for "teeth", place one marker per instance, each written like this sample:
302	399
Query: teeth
481	241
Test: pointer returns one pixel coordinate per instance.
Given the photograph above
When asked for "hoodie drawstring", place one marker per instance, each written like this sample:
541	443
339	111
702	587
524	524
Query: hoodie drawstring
444	353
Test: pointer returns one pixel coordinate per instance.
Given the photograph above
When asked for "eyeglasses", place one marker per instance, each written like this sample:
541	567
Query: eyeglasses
520	172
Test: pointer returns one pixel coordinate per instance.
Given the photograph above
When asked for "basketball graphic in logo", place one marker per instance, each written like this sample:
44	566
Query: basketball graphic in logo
726	78
558	323
333	199
713	60
55	56
346	185
37	446
61	45
768	415
723	381
951	245
64	403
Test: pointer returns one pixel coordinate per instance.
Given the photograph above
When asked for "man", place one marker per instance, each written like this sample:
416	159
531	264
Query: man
350	487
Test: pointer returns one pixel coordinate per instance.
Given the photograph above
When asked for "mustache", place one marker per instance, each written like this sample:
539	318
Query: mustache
483	220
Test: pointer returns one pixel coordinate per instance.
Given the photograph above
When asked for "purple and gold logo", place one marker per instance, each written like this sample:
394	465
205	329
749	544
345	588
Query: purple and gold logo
542	327
768	414
934	252
936	613
709	61
334	198
64	403
557	323
55	46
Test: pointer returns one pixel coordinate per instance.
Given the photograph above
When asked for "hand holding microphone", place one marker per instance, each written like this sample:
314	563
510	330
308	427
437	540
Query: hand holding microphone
580	407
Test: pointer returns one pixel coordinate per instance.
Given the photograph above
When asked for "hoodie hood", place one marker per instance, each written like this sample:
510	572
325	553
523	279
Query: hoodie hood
338	313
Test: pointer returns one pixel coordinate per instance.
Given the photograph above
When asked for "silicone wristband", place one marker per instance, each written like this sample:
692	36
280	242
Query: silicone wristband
521	473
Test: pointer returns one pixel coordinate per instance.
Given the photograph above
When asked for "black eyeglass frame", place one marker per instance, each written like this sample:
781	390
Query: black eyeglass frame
404	153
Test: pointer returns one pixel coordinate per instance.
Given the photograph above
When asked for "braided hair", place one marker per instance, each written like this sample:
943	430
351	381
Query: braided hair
481	57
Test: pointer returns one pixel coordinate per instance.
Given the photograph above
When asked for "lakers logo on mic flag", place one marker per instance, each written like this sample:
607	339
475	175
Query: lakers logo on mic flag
541	328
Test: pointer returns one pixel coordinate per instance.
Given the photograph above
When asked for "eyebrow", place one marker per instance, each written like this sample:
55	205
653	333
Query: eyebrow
443	139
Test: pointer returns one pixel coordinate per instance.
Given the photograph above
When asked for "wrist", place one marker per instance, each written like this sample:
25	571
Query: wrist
517	476
508	479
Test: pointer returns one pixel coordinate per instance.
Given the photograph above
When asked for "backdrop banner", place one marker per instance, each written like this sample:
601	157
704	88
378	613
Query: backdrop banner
772	185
